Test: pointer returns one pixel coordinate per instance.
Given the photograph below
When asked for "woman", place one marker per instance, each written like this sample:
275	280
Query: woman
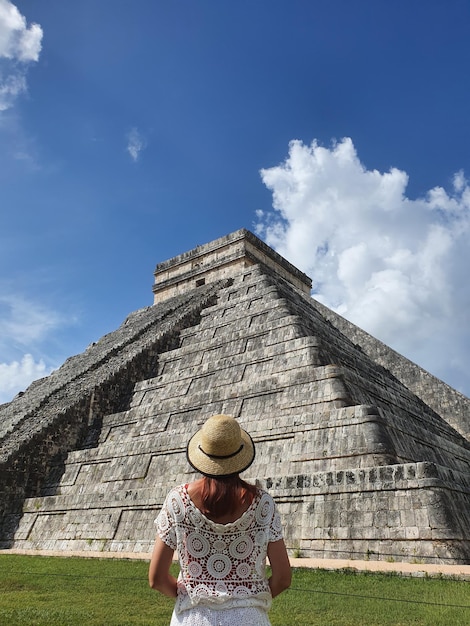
222	528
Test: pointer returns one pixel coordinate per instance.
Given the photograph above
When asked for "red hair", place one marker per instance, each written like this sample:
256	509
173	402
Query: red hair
225	494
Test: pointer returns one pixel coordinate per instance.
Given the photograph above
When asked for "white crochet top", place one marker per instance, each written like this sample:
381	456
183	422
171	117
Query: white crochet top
221	565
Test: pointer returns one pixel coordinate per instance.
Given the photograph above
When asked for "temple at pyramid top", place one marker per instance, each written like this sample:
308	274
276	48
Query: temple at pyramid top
223	258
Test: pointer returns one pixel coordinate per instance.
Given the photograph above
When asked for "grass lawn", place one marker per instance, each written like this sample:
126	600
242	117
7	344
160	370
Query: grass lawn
66	591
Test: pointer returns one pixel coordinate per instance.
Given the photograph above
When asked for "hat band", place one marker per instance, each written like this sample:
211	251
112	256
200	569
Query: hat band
225	456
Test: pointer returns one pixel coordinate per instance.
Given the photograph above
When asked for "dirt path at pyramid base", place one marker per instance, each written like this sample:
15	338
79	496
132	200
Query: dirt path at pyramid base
404	569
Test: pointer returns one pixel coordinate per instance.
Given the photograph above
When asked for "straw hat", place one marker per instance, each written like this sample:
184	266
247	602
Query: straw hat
220	447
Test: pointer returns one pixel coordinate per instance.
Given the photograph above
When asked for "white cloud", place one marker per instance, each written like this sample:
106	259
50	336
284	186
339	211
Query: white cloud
10	88
20	44
17	40
392	265
24	327
24	322
18	375
135	144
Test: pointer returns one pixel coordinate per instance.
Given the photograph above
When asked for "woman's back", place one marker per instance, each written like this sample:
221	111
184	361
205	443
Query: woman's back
220	561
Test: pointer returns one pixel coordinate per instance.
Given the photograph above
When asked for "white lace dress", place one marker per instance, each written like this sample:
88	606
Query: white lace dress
222	566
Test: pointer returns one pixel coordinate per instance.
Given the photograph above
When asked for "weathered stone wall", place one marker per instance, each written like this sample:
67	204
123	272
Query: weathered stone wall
64	411
414	511
450	404
357	463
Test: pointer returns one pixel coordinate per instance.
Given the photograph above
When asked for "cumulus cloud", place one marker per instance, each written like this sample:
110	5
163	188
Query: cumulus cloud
20	45
394	266
17	375
24	325
24	322
135	144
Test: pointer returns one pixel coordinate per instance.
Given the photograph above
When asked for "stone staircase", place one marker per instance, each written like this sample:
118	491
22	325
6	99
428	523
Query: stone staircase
249	356
360	466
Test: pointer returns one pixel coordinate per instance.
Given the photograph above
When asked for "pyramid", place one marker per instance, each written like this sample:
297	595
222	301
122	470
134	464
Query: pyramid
366	454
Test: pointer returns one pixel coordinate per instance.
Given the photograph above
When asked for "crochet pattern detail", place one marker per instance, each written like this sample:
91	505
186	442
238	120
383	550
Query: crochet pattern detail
220	564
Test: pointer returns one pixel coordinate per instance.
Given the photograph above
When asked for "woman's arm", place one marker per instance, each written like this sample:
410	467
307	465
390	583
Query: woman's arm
159	570
281	571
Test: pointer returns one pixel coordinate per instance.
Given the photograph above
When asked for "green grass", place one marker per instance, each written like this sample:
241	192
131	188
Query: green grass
354	599
58	591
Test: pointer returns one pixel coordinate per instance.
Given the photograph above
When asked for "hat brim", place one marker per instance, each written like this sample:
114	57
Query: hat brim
217	467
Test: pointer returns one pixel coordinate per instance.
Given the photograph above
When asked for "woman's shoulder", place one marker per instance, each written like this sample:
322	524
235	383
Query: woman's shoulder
176	497
262	494
265	504
180	489
174	490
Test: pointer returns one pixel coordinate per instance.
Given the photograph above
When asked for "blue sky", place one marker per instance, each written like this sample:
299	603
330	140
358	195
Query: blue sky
133	131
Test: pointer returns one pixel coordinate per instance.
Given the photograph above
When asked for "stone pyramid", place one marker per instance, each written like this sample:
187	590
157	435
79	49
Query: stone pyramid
366	454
